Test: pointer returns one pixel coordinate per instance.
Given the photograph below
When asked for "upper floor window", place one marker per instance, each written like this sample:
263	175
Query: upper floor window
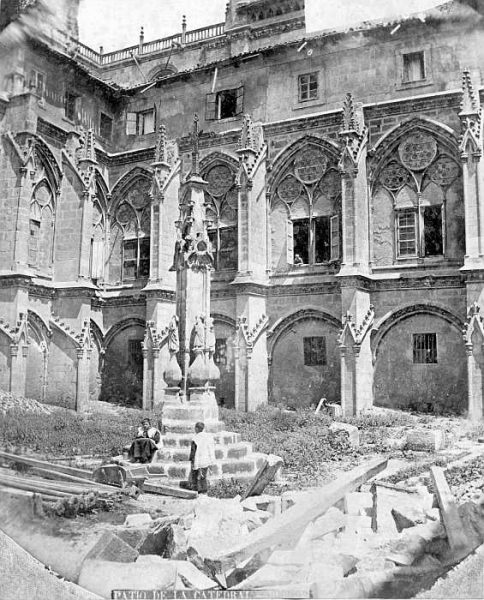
140	123
422	184
37	82
105	126
129	252
413	67
225	104
222	201
306	206
308	87
70	105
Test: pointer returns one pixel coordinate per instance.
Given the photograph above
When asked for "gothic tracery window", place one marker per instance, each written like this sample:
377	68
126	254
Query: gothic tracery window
129	257
97	242
309	195
222	203
418	177
41	233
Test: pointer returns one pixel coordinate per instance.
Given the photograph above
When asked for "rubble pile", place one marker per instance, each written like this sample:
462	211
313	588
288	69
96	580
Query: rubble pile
9	401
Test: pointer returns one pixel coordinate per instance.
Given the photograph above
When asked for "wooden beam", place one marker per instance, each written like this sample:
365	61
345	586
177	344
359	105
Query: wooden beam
56	476
264	476
453	524
309	508
159	487
43	464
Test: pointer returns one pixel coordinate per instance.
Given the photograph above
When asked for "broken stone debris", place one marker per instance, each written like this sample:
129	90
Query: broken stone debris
351	430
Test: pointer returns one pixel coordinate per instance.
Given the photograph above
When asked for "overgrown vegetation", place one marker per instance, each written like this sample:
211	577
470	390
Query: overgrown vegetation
65	433
301	438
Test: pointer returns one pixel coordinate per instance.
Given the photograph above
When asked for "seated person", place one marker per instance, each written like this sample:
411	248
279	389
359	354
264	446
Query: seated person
147	442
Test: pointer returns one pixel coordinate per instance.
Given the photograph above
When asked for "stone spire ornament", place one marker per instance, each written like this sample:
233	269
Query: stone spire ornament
470	142
195	139
354	134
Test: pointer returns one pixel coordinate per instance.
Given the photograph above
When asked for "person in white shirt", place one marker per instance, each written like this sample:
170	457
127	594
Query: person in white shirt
202	456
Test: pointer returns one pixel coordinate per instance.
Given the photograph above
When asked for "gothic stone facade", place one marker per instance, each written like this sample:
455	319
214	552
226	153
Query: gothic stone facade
343	192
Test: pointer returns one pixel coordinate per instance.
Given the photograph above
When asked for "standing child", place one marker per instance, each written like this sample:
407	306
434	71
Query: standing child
202	456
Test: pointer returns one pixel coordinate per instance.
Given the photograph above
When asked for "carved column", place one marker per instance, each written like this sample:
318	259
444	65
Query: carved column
474	342
86	165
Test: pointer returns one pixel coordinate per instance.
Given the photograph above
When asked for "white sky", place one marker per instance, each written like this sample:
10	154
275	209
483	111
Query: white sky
115	24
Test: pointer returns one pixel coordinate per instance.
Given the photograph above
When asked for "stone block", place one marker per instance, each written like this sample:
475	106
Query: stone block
389	500
101	577
110	547
264	502
358	503
176	543
334	410
351	430
138	520
358	524
428	440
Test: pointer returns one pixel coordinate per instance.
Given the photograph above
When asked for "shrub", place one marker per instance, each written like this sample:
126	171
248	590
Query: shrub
226	488
64	432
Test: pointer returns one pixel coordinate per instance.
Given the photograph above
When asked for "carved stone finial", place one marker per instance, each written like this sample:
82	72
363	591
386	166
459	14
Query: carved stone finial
246	138
352	115
160	148
88	151
470	102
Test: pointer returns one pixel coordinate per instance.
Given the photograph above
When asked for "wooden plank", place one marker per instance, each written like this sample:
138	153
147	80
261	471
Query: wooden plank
57	476
309	508
69	489
34	462
453	524
159	487
22	485
264	476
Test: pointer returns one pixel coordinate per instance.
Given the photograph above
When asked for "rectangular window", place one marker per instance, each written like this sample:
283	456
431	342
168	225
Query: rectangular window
224	244
37	82
322	240
135	357
105	126
70	106
136	258
407	233
413	67
34	242
424	348
335	238
314	351
432	221
308	87
130	251
131	120
145	122
220	354
300	229
224	104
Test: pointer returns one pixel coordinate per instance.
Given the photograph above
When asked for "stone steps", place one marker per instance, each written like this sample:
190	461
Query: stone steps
230	468
236	450
186	426
183	440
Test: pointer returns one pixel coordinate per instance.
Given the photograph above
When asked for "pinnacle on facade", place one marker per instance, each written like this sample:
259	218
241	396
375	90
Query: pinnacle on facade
246	138
88	152
470	103
195	136
160	148
352	115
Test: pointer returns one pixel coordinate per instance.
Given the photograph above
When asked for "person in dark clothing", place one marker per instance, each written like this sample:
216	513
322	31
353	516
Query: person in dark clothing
202	456
147	442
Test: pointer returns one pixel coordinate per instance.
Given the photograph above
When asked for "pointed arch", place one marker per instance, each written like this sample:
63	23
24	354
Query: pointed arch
386	145
283	159
217	157
123	184
383	326
45	154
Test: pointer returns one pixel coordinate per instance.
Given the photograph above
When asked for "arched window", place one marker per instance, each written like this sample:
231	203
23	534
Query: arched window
222	204
41	235
97	242
310	191
129	256
418	177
